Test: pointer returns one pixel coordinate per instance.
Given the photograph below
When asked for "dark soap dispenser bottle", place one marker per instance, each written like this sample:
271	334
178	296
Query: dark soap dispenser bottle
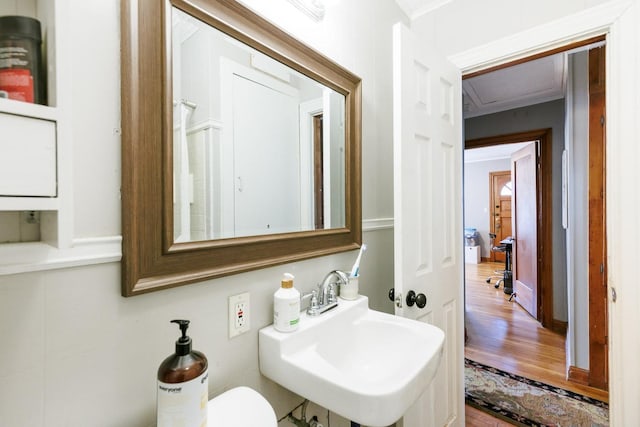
183	388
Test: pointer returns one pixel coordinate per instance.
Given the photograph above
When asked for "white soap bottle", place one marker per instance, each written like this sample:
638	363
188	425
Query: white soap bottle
286	306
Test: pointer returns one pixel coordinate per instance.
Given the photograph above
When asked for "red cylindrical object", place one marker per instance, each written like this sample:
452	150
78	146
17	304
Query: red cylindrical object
21	59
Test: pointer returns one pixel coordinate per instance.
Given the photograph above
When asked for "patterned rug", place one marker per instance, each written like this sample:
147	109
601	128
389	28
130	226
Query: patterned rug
525	402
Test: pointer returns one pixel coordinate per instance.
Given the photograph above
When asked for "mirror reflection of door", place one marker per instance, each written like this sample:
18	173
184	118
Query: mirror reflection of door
318	175
500	212
262	149
267	174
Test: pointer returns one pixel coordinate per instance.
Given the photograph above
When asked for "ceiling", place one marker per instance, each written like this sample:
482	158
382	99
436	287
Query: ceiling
415	8
494	152
532	82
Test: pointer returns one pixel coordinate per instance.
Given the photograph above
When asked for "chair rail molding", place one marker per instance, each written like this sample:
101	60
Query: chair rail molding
36	256
375	224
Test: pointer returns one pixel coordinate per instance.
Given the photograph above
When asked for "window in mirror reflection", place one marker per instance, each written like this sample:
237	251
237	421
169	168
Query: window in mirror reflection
258	148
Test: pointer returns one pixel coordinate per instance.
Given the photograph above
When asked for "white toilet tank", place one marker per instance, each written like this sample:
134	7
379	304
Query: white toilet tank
240	407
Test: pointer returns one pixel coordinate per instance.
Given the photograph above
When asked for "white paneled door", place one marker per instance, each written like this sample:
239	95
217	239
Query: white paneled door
427	139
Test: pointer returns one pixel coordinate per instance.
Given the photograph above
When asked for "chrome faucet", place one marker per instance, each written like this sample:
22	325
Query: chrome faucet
325	297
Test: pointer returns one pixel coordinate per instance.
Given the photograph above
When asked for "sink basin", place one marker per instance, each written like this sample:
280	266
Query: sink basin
362	364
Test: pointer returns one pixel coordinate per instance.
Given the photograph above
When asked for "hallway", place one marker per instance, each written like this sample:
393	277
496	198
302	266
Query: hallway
501	334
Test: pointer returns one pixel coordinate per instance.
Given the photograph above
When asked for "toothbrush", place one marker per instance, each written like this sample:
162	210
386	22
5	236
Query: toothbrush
356	265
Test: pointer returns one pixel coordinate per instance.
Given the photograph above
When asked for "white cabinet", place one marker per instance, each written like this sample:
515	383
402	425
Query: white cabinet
35	144
27	156
472	254
37	214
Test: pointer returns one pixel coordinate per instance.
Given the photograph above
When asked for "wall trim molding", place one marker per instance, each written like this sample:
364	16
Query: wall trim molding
29	257
578	375
376	224
37	256
559	326
205	125
313	9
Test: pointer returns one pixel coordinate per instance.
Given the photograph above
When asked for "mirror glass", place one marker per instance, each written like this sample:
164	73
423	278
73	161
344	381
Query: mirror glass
258	147
241	145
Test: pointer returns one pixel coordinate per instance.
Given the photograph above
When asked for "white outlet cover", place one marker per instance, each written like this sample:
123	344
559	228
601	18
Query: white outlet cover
239	303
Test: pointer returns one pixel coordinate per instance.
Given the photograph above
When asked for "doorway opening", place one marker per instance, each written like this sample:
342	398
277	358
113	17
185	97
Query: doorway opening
550	228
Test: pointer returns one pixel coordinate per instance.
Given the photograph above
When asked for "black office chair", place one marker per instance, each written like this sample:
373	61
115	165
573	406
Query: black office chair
504	276
499	274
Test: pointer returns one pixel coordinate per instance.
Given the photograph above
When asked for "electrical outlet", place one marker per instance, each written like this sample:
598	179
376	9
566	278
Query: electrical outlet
239	319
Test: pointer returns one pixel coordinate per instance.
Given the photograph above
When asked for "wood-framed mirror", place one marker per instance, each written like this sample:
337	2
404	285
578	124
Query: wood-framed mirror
165	241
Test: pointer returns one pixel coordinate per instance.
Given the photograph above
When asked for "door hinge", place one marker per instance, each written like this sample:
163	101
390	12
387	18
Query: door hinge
601	268
602	120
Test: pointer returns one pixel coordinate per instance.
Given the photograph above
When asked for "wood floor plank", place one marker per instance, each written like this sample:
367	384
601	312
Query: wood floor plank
502	334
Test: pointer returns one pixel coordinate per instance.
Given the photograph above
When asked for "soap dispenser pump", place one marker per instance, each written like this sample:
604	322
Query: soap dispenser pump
183	387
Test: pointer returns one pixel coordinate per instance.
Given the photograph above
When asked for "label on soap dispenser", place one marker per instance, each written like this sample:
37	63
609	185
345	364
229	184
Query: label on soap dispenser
286	310
183	404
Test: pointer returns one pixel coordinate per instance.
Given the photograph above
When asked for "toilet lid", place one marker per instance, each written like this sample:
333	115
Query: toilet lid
240	407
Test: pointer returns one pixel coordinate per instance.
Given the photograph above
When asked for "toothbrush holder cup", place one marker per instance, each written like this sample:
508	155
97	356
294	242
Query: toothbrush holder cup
349	291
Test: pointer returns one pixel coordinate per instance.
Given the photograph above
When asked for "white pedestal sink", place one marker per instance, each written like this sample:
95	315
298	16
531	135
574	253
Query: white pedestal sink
362	364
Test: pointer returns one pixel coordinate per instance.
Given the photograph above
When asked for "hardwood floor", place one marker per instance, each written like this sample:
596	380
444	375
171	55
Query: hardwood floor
502	334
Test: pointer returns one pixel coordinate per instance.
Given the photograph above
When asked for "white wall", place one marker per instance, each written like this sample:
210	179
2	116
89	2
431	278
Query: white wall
76	353
477	197
463	24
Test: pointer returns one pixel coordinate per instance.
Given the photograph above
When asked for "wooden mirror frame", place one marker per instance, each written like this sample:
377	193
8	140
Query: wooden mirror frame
151	260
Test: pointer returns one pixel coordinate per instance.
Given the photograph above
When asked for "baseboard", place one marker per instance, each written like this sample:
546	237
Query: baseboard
578	375
559	326
485	259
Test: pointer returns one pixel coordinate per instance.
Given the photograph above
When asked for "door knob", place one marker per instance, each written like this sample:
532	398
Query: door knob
397	300
420	299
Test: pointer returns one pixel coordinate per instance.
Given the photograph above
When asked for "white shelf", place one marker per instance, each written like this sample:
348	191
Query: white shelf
56	226
36	256
29	204
16	116
27	109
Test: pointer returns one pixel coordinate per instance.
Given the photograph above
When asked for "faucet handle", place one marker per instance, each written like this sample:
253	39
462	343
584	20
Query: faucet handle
314	306
331	293
314	299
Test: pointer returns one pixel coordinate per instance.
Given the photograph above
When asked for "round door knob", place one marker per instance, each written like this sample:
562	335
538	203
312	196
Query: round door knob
418	299
392	294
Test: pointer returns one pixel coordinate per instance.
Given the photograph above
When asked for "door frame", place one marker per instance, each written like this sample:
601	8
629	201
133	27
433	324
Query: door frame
598	326
544	223
618	20
597	286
